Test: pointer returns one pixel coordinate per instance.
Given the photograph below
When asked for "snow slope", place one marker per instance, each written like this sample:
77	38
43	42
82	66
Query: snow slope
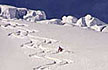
26	45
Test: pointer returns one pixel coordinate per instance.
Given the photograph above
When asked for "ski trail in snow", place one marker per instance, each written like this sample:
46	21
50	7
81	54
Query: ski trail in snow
11	25
56	63
21	33
45	46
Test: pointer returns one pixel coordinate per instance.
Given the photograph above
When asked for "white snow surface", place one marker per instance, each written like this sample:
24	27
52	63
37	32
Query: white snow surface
35	45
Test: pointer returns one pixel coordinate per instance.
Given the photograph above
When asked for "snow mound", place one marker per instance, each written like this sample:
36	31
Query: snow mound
90	22
34	16
10	12
69	20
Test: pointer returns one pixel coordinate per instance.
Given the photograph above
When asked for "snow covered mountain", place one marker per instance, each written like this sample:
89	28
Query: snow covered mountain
30	41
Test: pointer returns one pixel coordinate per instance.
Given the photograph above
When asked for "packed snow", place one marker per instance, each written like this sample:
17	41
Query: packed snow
30	41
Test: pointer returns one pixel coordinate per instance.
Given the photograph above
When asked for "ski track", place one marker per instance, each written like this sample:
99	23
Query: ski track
36	42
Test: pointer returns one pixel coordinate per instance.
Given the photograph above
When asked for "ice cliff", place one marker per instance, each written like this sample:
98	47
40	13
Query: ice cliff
10	12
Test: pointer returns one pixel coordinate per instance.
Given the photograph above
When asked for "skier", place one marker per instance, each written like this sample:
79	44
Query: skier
60	49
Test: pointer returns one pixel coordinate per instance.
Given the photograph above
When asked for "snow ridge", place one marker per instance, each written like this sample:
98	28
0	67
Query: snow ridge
38	16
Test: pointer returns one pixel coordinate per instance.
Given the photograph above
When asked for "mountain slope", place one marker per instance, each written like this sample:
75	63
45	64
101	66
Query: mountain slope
52	45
